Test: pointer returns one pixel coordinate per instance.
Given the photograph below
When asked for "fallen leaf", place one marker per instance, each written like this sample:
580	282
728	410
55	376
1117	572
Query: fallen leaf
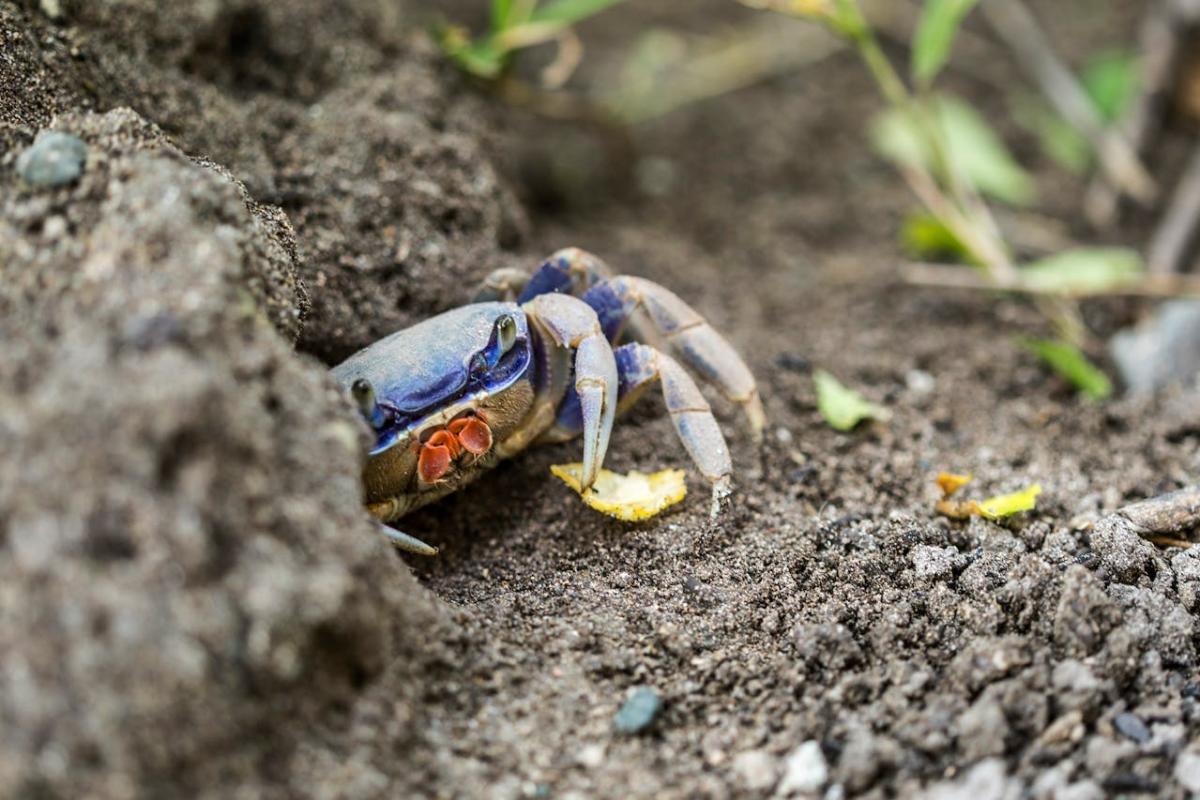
844	408
1005	505
994	508
632	497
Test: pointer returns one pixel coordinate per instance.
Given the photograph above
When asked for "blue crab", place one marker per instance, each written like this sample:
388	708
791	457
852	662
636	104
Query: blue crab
536	359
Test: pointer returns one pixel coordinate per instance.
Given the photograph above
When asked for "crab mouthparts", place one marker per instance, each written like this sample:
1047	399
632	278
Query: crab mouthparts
465	435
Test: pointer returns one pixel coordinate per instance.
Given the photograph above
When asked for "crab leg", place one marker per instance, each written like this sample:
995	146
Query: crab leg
688	333
638	366
408	543
569	271
571	323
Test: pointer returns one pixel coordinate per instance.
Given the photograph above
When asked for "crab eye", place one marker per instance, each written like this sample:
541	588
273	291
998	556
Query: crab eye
506	333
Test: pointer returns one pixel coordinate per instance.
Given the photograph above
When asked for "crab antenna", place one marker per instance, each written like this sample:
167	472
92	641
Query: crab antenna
364	396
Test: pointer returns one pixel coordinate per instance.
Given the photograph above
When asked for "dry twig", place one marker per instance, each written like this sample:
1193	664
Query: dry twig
952	277
1176	231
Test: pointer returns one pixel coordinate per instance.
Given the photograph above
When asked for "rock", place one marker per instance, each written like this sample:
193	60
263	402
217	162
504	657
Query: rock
987	780
864	757
804	770
591	756
981	729
54	159
756	769
1164	349
1080	790
1123	553
1131	727
639	711
919	382
1187	564
937	563
1187	770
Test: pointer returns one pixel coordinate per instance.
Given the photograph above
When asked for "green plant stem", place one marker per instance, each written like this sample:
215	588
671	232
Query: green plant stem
954	202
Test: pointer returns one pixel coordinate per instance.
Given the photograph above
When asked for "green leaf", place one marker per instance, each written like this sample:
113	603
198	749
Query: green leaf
939	24
977	152
1111	80
1006	505
844	408
1085	270
1061	143
500	11
569	12
481	58
924	236
1069	362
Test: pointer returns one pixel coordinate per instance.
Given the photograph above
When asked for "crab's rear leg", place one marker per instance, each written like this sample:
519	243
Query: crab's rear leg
689	335
638	366
569	271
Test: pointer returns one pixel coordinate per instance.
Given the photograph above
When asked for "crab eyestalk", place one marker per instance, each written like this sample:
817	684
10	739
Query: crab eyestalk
364	397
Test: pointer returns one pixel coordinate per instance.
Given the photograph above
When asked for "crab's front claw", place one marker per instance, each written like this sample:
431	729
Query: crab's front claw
596	385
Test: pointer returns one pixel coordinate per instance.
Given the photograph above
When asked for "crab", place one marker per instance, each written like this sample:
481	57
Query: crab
538	358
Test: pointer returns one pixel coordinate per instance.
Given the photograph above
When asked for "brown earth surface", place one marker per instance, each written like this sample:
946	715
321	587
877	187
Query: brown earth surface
192	602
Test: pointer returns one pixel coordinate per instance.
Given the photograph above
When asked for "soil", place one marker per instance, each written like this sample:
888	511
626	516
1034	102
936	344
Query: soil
194	603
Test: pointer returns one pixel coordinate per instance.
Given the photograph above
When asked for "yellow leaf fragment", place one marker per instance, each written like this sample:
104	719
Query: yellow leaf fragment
957	509
994	508
631	497
1006	505
950	483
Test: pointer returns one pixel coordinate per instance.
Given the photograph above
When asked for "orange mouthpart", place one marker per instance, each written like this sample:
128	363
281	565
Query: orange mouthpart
438	452
473	434
436	456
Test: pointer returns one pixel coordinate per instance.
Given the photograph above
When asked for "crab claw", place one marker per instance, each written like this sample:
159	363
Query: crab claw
473	434
436	455
596	385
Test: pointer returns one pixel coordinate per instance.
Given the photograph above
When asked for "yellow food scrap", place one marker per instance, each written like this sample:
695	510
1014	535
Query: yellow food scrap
631	497
1006	505
950	483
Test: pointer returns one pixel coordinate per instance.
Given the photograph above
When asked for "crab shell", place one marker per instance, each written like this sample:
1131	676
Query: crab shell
426	377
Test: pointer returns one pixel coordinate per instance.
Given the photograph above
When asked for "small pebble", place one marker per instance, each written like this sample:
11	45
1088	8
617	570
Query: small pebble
54	159
1187	771
1132	728
756	768
1162	350
805	770
639	711
591	756
919	382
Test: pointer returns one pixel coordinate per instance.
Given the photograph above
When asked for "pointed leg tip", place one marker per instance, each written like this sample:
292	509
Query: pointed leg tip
757	418
410	544
722	488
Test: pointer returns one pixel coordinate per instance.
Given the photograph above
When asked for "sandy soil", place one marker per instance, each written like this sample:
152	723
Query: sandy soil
194	604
